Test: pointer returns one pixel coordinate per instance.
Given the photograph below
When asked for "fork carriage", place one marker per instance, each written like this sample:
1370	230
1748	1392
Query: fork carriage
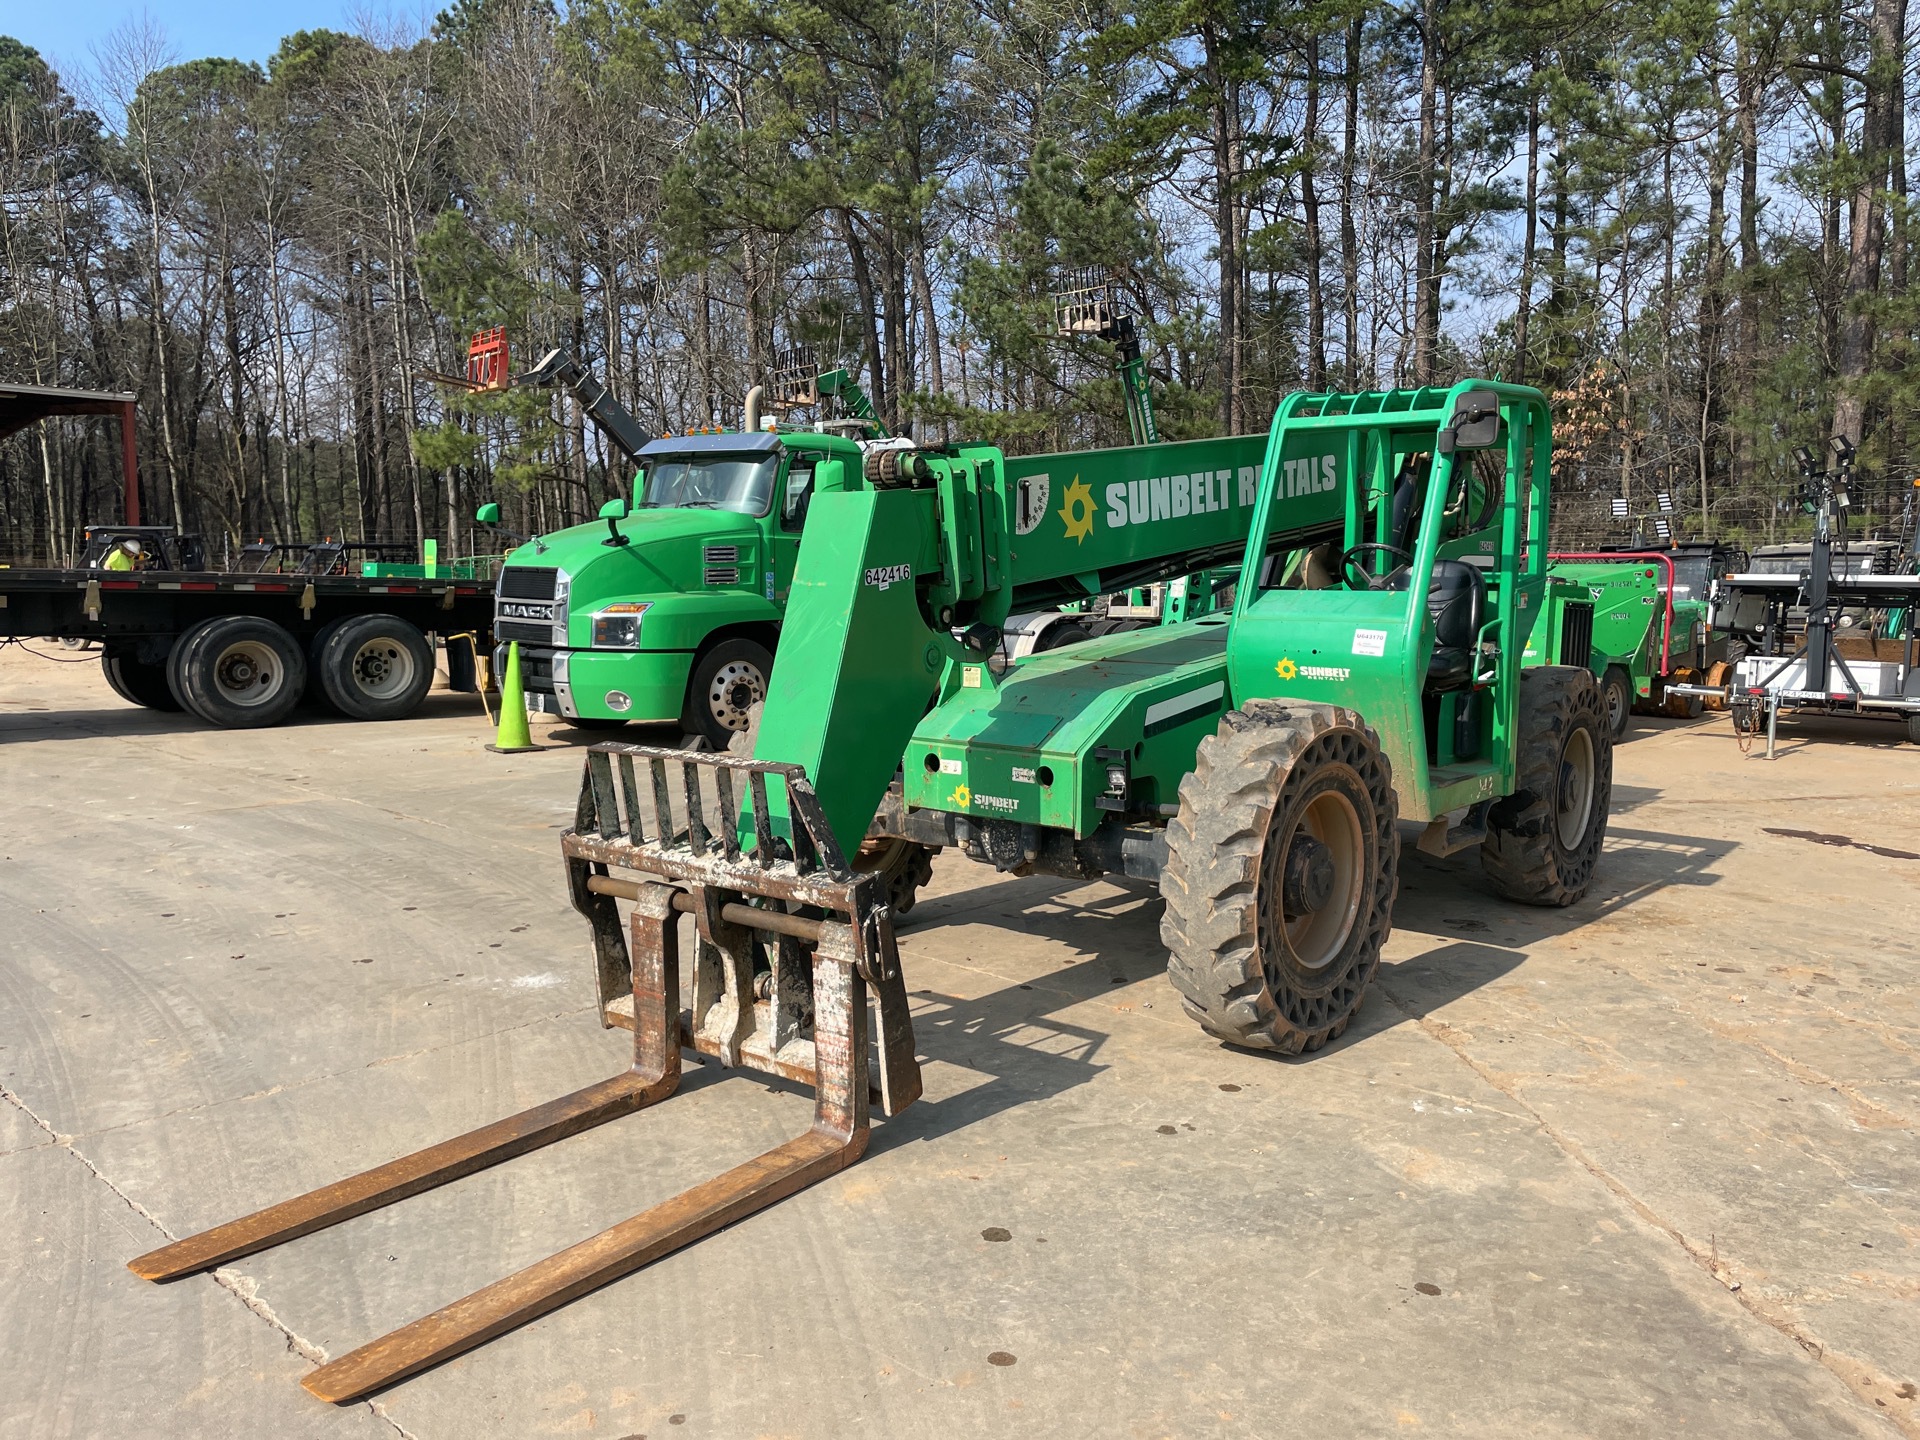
779	986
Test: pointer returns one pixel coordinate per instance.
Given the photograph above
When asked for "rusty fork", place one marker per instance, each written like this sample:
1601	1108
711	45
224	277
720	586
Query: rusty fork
803	1016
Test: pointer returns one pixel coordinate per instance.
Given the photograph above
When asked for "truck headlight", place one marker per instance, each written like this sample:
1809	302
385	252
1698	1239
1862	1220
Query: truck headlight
618	626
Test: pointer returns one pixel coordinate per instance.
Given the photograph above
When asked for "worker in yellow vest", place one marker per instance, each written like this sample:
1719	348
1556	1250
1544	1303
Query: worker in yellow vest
125	555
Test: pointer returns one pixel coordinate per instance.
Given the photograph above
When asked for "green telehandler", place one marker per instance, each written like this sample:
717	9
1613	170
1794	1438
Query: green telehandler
1255	763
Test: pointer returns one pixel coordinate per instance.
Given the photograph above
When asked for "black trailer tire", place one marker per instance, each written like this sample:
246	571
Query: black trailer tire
727	682
376	667
1058	637
314	693
1544	839
1616	694
176	662
241	672
138	682
1271	943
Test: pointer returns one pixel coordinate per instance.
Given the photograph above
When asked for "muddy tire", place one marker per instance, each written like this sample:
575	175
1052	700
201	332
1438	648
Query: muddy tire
905	865
1683	707
1719	676
727	682
239	672
1272	942
137	682
1544	839
1616	693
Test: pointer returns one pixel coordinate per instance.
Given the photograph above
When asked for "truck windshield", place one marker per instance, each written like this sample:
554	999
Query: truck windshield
1692	577
740	483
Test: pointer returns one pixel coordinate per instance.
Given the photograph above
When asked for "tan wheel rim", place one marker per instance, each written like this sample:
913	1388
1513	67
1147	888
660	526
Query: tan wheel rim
1316	939
1573	805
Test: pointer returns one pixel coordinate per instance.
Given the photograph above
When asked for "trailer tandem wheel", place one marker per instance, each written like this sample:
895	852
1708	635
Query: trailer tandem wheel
1282	866
136	681
238	671
375	667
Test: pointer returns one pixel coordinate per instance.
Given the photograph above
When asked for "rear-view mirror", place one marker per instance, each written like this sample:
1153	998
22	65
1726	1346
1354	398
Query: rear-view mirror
615	509
487	514
1476	420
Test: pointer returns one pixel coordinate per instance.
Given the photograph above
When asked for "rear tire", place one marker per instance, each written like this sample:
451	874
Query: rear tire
728	681
1272	943
1544	839
138	682
1616	693
376	667
241	672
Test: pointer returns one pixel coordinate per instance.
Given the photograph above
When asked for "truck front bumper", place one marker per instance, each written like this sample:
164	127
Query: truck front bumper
643	685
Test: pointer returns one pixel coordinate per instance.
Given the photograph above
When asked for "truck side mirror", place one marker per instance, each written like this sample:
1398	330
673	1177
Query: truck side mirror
613	512
487	514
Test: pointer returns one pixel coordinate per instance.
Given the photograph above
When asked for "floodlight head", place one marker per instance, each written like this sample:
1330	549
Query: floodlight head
1842	447
1804	458
1619	507
1664	501
1662	528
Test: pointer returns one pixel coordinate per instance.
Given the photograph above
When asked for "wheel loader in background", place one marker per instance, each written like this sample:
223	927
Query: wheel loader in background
1255	763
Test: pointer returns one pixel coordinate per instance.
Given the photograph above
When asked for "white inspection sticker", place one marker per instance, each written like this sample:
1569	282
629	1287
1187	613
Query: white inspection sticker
949	767
1370	642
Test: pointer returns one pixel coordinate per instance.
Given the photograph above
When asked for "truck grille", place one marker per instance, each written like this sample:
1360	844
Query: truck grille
723	574
1576	633
536	631
721	554
529	582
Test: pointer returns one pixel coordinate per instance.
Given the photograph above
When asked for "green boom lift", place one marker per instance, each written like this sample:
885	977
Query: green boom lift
1392	552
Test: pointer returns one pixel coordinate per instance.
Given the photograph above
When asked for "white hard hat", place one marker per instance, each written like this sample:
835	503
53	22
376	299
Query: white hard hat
133	546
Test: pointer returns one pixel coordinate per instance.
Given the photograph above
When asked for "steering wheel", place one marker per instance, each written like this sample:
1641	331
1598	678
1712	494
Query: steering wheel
1358	576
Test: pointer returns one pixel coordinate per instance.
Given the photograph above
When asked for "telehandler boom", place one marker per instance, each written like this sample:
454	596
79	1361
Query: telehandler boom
1254	762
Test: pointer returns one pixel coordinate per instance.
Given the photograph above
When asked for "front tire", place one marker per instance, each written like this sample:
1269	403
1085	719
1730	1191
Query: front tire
1544	839
728	681
905	865
1282	865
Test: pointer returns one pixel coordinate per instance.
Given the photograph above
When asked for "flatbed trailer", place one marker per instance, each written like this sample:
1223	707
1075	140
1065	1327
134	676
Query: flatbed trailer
241	650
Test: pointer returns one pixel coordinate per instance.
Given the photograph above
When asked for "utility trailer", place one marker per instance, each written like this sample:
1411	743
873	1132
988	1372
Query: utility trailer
1837	586
240	650
1254	762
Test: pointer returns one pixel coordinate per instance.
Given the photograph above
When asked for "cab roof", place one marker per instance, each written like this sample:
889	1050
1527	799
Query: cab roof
732	442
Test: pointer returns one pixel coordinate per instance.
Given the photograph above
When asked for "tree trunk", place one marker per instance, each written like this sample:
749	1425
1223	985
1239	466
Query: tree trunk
1226	230
1349	241
1426	281
1310	210
1867	236
1523	313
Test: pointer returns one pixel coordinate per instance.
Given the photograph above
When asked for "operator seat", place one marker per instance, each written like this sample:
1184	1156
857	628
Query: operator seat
1456	602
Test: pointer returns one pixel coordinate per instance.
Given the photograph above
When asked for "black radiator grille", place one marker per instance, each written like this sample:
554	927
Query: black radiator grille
523	630
1576	633
529	582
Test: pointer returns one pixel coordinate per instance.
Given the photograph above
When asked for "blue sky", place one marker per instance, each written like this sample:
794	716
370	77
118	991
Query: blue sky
63	31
